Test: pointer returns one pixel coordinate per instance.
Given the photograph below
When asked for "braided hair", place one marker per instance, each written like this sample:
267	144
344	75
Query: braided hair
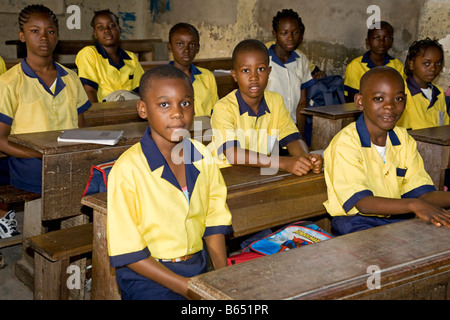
26	12
420	47
106	11
287	13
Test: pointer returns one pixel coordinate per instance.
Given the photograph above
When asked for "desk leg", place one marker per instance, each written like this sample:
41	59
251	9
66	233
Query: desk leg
32	226
436	160
104	285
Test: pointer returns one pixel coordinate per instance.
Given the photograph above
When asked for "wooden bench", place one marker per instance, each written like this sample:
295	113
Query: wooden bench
404	260
11	195
328	121
141	47
53	252
114	112
433	145
256	202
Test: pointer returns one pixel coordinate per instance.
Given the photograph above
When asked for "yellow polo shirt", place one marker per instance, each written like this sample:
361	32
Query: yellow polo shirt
420	112
354	169
2	66
28	105
234	123
148	213
205	90
96	69
358	66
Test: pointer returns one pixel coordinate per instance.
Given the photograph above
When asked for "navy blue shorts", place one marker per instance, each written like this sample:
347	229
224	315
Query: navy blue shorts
4	171
133	286
347	224
26	174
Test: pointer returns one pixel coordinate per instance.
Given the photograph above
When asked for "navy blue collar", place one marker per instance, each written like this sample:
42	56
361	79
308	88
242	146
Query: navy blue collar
414	88
370	64
364	136
122	56
294	55
156	160
244	107
194	71
60	72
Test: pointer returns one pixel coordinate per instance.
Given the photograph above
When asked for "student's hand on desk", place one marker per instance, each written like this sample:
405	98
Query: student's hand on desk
317	161
296	165
433	214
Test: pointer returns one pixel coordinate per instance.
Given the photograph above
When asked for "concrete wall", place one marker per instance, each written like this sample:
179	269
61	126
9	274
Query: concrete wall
335	30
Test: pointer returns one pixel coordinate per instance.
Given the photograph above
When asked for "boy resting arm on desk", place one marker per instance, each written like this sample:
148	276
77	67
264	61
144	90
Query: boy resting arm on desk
247	122
373	171
165	196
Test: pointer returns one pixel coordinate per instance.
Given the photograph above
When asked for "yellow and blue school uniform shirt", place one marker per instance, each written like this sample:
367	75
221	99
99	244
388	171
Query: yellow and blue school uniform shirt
420	112
234	124
2	66
148	213
354	169
288	79
96	69
205	90
28	105
358	66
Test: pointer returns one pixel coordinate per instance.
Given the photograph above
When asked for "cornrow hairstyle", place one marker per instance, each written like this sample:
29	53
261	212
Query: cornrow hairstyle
184	26
159	73
105	11
248	46
382	24
26	12
287	13
420	47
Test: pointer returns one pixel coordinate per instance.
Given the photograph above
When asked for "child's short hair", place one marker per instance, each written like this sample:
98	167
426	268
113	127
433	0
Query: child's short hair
105	11
158	73
382	69
186	26
287	13
249	45
26	12
373	27
420	47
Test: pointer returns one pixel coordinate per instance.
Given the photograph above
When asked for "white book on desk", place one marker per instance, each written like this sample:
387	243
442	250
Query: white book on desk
91	136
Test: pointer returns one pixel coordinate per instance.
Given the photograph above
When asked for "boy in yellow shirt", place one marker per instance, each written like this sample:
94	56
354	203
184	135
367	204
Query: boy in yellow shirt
373	171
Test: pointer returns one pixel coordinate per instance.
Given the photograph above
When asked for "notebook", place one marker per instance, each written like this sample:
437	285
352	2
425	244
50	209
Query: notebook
91	136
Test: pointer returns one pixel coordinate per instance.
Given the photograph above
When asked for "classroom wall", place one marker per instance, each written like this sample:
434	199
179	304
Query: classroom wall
335	31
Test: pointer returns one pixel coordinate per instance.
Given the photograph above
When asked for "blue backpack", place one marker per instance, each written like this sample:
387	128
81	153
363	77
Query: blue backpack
326	91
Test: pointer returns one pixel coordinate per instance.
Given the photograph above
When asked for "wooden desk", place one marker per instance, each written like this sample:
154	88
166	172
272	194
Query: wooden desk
114	112
211	64
225	83
412	256
65	172
256	202
71	47
328	121
434	147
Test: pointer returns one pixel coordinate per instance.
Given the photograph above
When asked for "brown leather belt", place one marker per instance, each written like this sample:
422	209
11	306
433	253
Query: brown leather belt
184	258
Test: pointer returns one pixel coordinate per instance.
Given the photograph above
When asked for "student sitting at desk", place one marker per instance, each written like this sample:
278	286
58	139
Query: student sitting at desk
166	196
105	68
290	75
373	171
37	95
379	40
248	121
184	44
425	103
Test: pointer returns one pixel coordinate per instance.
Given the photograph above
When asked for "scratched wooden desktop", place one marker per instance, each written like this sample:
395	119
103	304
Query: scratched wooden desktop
327	121
65	172
434	147
256	202
404	260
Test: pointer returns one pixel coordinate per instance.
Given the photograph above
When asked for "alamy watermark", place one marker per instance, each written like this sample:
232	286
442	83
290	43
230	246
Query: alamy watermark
374	280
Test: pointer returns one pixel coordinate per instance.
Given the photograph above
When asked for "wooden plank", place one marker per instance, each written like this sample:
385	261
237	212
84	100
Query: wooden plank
337	111
10	194
211	64
65	243
338	268
114	112
436	135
